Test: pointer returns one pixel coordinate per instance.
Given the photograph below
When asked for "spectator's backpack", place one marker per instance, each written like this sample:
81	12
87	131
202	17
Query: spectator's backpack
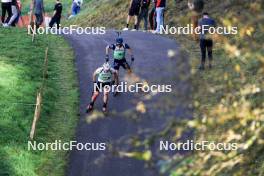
145	3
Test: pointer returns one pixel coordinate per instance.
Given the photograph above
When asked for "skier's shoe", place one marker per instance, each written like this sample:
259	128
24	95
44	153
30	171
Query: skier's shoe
104	109
89	108
115	93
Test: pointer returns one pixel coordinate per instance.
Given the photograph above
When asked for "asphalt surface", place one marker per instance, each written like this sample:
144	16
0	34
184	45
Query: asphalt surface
124	121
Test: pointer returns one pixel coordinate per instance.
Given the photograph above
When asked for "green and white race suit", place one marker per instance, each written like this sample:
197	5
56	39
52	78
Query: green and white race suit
104	76
119	53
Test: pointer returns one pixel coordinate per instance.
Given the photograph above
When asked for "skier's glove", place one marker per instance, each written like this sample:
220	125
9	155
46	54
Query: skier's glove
106	58
132	58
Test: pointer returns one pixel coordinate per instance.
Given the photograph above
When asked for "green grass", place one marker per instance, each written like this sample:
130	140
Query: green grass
21	71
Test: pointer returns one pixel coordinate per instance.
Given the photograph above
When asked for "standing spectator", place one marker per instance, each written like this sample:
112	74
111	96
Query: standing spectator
206	41
56	14
160	6
152	16
133	11
39	12
76	7
6	7
144	13
15	11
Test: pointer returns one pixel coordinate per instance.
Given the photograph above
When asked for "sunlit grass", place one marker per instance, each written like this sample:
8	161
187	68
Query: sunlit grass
20	77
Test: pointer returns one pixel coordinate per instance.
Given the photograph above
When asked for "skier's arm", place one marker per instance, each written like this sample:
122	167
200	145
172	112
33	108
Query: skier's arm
131	54
107	50
115	77
94	76
107	53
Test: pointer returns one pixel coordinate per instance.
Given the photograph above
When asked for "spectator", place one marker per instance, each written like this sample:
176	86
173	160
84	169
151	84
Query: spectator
152	16
15	11
206	41
76	7
39	12
133	11
6	7
144	13
56	14
160	6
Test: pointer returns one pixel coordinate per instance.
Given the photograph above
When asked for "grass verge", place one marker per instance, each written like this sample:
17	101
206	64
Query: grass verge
21	71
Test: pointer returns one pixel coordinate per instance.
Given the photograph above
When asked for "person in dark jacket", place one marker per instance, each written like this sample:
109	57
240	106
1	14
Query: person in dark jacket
6	7
144	9
160	6
133	11
56	15
206	41
11	21
39	12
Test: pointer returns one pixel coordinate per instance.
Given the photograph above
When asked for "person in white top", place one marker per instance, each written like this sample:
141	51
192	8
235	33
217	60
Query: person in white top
6	8
105	75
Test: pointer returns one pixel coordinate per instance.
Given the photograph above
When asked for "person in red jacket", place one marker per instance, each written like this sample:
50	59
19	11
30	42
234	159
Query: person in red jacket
160	6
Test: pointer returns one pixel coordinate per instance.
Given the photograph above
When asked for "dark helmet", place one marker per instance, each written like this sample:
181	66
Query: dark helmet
119	40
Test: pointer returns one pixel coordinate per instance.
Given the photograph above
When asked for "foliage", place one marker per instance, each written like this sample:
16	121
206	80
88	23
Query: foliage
229	99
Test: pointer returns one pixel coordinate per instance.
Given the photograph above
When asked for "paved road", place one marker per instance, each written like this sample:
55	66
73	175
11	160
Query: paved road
124	122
